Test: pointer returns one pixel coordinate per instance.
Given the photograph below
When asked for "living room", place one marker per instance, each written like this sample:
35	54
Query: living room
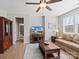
60	26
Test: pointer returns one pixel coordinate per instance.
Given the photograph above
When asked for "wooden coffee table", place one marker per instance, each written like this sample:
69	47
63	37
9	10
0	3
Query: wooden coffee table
50	51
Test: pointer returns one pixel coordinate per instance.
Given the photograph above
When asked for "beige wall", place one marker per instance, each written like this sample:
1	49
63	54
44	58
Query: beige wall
60	25
3	13
35	20
28	22
50	28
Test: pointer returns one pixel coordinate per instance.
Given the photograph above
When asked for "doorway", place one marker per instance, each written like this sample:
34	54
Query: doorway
20	29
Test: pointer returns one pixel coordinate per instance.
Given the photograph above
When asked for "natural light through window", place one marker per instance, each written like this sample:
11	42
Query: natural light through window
68	24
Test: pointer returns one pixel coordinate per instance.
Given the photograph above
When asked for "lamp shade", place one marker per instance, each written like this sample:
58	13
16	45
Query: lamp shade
56	30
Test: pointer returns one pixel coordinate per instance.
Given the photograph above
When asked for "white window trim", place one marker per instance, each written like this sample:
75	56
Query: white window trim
76	25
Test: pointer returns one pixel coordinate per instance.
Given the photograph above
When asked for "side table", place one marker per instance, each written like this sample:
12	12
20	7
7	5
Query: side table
53	39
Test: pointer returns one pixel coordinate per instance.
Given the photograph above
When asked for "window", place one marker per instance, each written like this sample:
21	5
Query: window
68	24
71	24
77	23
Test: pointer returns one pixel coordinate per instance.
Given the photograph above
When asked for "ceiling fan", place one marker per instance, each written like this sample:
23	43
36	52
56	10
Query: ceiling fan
43	4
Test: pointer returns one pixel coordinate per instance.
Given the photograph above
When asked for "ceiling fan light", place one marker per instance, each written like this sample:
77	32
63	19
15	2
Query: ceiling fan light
43	5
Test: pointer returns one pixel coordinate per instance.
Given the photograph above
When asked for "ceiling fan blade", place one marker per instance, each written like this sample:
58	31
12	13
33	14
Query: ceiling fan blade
48	8
52	1
38	9
32	3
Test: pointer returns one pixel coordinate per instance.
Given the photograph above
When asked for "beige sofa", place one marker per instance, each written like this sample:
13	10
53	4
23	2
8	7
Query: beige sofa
69	43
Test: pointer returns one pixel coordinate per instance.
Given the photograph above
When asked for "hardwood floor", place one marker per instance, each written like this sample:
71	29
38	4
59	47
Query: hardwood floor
17	52
14	52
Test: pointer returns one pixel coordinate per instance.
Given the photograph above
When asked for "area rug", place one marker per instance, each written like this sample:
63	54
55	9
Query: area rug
33	52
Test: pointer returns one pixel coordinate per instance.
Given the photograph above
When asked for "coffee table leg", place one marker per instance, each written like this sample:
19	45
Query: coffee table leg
59	54
45	56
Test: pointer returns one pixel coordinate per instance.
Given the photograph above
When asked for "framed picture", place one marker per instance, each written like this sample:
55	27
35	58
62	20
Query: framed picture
51	26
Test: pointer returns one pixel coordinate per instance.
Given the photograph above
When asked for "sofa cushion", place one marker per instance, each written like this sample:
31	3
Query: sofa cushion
76	39
68	44
68	37
60	37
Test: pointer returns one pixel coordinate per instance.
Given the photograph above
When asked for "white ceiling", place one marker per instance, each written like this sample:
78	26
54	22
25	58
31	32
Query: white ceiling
19	6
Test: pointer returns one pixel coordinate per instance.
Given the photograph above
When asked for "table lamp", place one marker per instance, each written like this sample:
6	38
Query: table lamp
56	32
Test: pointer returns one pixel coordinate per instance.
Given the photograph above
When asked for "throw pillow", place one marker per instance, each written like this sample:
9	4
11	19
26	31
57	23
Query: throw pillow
76	39
68	37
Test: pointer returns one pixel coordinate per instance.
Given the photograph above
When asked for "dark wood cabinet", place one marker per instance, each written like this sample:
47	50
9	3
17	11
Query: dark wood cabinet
5	34
36	38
